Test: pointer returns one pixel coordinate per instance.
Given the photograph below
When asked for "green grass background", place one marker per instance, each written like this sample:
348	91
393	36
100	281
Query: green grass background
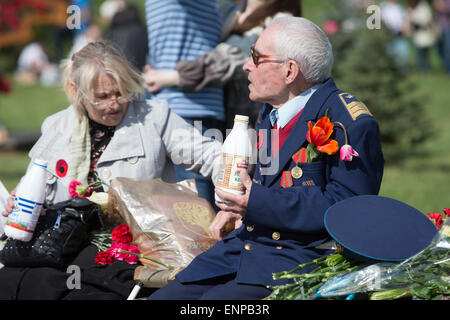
422	181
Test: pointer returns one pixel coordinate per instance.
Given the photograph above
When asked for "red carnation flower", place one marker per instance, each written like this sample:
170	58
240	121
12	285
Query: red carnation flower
77	189
131	259
122	234
436	218
114	250
104	257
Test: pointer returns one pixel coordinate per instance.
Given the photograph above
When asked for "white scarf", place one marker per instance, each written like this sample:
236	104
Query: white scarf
81	151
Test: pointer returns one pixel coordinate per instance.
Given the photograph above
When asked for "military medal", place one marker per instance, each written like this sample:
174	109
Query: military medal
299	156
286	179
296	172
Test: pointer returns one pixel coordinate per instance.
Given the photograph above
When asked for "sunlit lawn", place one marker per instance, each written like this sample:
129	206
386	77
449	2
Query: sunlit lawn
24	109
424	181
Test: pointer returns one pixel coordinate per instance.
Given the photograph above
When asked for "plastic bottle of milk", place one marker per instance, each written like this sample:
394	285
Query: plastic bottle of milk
236	154
30	196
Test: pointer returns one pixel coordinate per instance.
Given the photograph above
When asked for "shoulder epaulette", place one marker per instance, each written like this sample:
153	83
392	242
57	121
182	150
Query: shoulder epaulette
354	107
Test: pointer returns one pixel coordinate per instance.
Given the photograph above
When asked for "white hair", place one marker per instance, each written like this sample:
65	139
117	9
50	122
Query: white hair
304	42
82	70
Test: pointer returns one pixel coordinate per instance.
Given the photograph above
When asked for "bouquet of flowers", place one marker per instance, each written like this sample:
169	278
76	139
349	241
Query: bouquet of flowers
439	218
117	246
305	285
422	276
110	244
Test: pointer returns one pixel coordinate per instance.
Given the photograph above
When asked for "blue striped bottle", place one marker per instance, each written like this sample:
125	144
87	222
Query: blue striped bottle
30	196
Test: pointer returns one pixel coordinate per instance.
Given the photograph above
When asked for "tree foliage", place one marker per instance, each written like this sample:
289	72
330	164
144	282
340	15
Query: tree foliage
364	68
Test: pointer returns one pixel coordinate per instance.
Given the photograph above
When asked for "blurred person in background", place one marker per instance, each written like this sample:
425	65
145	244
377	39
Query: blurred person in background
86	16
91	34
421	27
130	34
393	16
442	9
242	23
33	65
109	8
184	30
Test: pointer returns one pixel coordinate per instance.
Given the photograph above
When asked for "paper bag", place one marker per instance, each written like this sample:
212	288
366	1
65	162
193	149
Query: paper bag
169	222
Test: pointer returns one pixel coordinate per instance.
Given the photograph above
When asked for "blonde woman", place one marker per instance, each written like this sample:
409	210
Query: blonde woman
108	131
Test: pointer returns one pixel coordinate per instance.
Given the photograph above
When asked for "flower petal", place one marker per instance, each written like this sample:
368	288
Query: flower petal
73	188
326	125
347	153
308	134
320	132
330	147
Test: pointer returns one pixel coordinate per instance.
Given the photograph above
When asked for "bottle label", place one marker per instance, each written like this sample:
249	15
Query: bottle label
24	214
228	177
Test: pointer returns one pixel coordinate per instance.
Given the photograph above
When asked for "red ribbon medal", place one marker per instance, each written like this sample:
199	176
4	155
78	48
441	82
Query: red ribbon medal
300	156
286	179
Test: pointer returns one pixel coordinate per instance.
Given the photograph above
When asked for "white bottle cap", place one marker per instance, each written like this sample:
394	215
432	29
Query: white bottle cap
239	117
40	163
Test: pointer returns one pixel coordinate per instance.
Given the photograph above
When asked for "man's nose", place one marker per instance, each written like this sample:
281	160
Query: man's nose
247	65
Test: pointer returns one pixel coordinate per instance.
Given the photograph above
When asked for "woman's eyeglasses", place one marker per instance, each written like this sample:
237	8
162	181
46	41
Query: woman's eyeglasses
256	57
106	102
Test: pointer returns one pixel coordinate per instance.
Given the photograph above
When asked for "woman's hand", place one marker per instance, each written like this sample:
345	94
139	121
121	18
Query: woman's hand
156	80
9	206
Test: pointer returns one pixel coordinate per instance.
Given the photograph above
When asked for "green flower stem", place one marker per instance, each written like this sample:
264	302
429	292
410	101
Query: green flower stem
301	266
391	294
101	240
168	266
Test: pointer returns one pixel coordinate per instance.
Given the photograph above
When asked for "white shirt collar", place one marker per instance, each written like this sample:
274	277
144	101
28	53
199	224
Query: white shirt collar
287	111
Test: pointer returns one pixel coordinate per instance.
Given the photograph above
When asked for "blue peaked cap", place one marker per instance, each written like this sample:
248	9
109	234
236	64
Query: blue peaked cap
378	228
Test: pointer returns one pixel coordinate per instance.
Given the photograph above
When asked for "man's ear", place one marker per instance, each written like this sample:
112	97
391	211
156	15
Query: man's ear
292	70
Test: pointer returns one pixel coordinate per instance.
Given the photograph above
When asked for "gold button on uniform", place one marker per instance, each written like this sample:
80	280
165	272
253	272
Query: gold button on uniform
276	236
248	246
279	247
250	228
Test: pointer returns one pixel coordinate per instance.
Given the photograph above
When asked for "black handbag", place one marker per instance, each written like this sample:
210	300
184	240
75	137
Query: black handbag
59	235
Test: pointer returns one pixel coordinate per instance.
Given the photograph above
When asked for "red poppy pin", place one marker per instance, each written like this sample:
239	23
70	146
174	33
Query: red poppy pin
61	168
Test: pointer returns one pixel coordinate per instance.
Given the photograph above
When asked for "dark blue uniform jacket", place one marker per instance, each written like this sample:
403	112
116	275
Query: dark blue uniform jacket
283	225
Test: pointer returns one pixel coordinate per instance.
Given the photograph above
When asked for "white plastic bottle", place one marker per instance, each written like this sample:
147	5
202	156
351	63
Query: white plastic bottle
30	196
236	154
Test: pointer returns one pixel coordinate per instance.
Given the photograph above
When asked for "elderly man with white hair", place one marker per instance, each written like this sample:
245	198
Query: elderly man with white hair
316	145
